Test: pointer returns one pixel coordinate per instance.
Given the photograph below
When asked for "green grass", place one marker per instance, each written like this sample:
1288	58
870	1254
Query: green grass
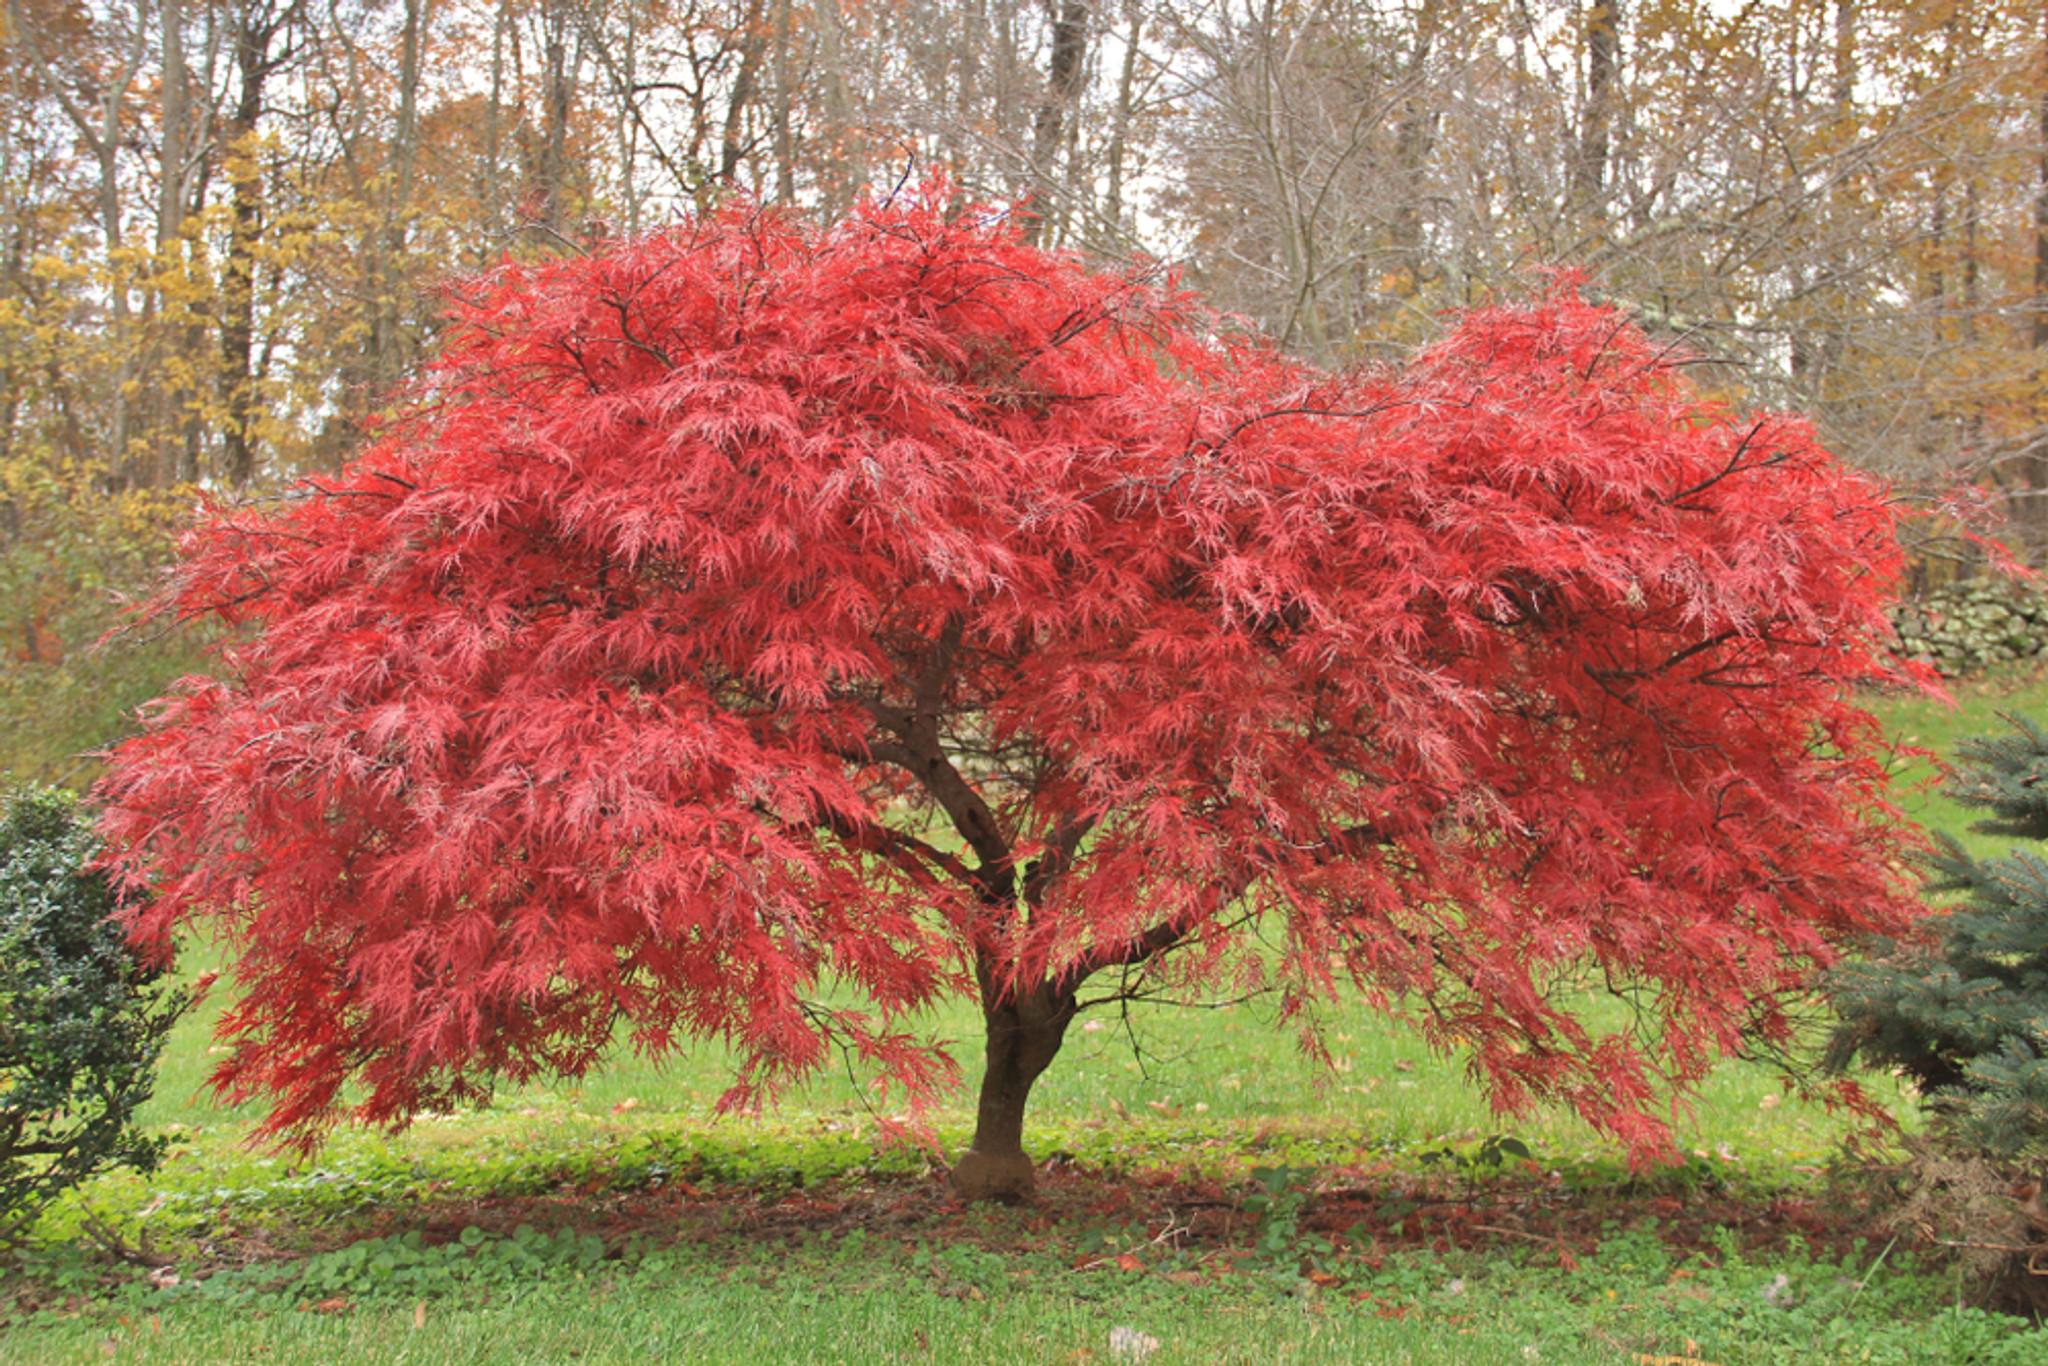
1206	1068
1009	1290
1221	1089
1936	726
1207	1095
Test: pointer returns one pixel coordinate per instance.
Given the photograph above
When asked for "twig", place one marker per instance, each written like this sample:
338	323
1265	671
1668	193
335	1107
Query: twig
1172	1231
2036	1249
115	1245
1519	1233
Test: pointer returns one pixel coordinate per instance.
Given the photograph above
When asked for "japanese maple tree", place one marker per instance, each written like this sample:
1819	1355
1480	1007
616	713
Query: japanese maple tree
763	610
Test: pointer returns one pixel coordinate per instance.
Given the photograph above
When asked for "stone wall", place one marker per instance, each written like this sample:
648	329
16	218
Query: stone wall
1967	628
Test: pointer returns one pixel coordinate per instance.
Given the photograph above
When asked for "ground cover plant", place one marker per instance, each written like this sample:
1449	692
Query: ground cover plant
1380	1262
764	610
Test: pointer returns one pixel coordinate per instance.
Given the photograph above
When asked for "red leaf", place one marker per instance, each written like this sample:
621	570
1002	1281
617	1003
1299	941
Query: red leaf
893	603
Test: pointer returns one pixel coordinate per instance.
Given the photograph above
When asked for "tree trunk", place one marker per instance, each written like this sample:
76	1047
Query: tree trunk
2039	332
785	164
733	137
387	269
180	158
491	191
556	99
2035	471
256	28
1024	1034
1414	141
1120	128
1062	91
1603	75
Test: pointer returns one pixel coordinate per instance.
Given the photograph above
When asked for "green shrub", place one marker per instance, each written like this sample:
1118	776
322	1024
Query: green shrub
81	1020
1967	1015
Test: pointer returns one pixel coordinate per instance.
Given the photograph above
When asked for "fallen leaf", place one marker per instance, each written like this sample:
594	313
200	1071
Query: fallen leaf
419	1314
1126	1261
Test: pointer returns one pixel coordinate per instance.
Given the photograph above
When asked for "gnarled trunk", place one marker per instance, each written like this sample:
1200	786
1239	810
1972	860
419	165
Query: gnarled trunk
1024	1034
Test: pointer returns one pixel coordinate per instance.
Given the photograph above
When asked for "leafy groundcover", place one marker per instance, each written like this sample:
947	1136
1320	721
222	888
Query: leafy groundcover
1471	1254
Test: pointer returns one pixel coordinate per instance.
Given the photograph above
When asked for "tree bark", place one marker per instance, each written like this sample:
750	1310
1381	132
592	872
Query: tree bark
1120	130
555	102
1414	141
785	95
2039	332
1603	75
1062	92
733	142
256	27
490	192
387	269
2035	472
1024	1032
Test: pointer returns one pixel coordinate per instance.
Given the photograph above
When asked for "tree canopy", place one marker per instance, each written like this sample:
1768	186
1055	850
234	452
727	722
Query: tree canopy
762	609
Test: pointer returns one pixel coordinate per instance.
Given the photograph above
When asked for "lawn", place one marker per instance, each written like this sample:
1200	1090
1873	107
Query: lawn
1211	1190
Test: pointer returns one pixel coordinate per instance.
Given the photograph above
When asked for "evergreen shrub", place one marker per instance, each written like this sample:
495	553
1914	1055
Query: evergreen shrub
1966	1015
82	1021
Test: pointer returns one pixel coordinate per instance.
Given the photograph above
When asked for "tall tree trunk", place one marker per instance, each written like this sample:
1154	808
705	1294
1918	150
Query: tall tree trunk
386	343
1064	71
1120	129
256	28
732	137
628	126
556	98
1414	141
2035	473
785	98
1596	126
841	164
162	465
492	195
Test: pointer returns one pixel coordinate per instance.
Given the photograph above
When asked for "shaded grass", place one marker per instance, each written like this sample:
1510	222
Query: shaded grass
1220	1090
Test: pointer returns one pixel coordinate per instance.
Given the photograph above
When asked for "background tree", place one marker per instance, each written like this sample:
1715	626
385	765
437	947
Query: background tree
762	606
226	223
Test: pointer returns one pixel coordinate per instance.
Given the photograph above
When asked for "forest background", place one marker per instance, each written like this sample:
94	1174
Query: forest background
223	225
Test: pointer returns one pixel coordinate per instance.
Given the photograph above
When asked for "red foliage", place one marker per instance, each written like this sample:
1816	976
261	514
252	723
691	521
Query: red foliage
891	603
